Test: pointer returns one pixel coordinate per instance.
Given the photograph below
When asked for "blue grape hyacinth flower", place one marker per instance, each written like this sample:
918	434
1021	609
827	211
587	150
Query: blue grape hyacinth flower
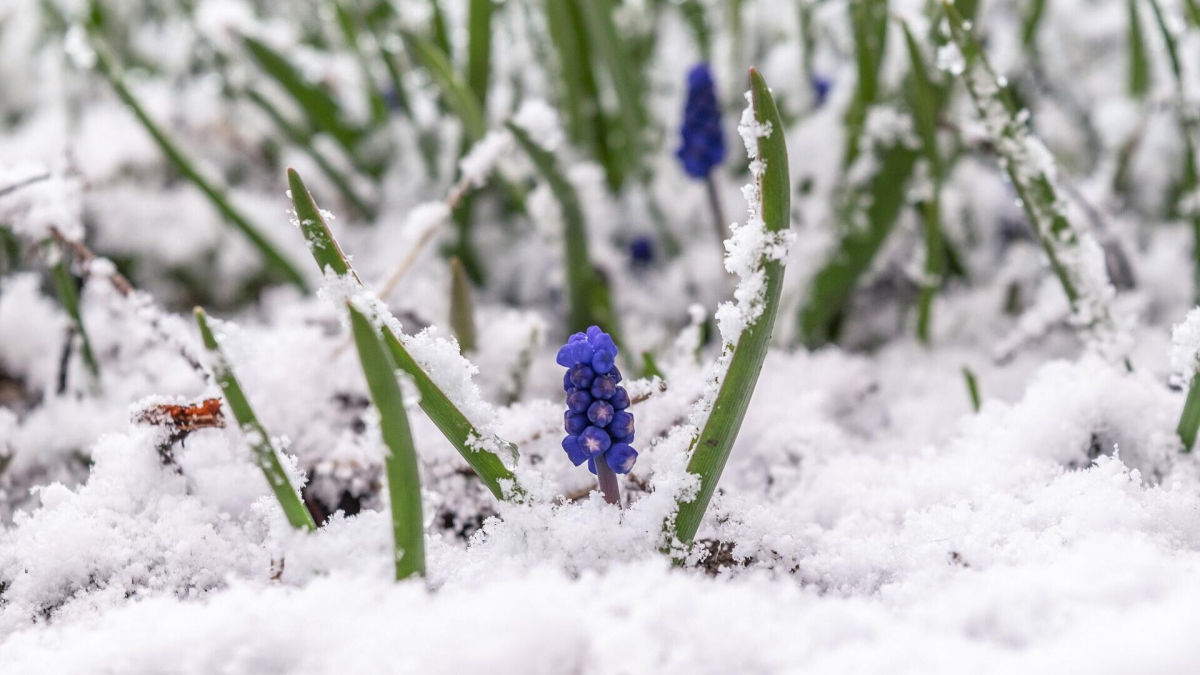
599	427
703	141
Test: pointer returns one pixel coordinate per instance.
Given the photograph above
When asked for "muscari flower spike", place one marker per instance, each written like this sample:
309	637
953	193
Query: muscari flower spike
703	142
598	425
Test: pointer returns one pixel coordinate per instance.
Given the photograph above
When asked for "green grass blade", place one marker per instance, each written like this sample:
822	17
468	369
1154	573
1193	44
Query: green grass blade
924	99
625	81
1190	128
1139	64
479	49
256	436
1031	22
881	200
587	295
319	107
1192	9
972	388
868	18
1189	419
273	258
348	24
304	142
441	34
462	308
580	93
400	463
711	448
478	449
455	92
64	285
324	247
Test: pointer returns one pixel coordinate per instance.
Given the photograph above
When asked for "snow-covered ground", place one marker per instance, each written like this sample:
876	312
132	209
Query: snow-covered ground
870	519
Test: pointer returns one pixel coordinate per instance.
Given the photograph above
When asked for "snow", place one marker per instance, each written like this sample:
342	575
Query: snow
869	519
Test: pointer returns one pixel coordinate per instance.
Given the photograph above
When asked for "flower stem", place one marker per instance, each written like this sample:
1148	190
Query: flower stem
714	200
608	481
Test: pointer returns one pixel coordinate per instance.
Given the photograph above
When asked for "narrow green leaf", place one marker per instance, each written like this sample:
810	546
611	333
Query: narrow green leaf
318	105
580	93
479	48
348	24
624	79
924	100
478	449
587	295
403	475
441	34
462	308
304	142
1031	22
264	452
273	258
64	285
454	90
972	388
868	18
711	448
1189	123
1139	64
880	202
324	247
1189	419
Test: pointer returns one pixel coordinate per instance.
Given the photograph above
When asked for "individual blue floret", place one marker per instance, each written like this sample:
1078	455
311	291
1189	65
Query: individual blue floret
820	87
703	140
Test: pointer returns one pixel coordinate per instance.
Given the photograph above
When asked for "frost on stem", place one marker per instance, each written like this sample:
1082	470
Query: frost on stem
1075	256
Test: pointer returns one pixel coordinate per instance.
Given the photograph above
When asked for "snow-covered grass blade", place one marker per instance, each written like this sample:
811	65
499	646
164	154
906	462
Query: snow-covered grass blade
710	449
400	463
261	446
478	448
1075	256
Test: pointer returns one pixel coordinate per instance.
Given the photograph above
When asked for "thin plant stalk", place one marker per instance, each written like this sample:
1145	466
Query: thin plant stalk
607	479
714	202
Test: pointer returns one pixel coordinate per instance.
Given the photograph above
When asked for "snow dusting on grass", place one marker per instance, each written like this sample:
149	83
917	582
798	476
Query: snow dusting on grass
869	517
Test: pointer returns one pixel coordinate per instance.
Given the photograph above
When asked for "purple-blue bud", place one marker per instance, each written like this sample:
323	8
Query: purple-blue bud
620	399
575	451
604	386
574	423
577	350
621	457
600	413
581	376
579	400
594	440
621	426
